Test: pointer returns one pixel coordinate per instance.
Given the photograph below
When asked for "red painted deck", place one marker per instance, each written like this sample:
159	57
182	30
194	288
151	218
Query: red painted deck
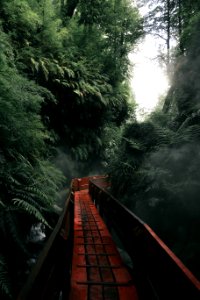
97	268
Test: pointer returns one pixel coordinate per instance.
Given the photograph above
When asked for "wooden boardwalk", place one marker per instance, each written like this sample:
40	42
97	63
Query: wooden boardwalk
97	268
80	260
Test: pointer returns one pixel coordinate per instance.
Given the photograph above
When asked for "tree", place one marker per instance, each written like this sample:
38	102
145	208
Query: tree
154	171
160	21
69	64
28	180
154	168
183	94
64	70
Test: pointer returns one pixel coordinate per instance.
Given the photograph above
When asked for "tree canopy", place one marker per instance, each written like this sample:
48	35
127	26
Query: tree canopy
64	84
63	80
154	165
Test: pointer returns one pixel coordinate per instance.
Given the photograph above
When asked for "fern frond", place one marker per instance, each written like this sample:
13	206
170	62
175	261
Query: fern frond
34	64
44	69
35	192
30	209
2	204
13	227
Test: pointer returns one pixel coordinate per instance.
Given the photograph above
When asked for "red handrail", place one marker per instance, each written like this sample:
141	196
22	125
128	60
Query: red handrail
154	262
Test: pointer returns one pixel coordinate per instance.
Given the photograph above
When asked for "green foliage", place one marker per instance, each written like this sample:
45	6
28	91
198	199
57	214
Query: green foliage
28	181
63	73
155	171
170	173
137	141
83	61
21	20
183	96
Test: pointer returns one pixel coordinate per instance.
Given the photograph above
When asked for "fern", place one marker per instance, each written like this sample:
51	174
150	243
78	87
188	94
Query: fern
13	228
81	152
30	209
2	204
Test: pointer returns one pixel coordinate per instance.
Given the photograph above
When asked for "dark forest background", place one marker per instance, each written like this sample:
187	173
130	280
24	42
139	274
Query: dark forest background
66	110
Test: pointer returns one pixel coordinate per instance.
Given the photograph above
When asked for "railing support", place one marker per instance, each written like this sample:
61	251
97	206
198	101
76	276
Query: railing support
159	273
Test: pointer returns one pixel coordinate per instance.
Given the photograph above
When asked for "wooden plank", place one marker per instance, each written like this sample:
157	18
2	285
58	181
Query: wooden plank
97	269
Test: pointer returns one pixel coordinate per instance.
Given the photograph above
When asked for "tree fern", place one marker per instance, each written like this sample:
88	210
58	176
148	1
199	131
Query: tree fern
30	209
60	78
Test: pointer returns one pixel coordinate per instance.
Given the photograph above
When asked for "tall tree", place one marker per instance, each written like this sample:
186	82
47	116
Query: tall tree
64	70
155	167
159	21
182	93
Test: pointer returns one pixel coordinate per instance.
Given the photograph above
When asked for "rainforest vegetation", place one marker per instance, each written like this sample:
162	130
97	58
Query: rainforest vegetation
64	88
63	80
154	164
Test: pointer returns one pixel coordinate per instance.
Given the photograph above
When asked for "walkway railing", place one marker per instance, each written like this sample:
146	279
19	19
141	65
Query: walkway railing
158	273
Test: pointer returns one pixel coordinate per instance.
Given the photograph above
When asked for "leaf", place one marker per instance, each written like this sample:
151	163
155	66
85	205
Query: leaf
44	69
35	64
79	93
30	209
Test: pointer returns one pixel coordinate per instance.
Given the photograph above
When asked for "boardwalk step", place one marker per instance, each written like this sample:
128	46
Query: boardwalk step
98	272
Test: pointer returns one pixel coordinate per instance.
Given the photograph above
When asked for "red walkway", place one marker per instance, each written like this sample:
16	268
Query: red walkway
97	269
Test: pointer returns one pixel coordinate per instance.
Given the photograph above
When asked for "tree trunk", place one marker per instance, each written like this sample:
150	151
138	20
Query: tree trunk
168	34
180	26
168	101
62	6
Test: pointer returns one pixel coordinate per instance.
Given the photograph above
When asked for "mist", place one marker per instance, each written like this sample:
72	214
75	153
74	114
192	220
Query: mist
73	168
165	194
170	202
